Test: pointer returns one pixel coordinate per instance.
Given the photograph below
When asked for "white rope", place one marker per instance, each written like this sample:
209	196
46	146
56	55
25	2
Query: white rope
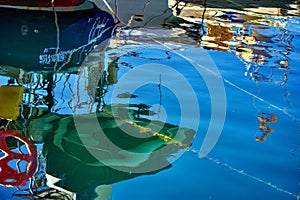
57	33
233	85
109	8
242	172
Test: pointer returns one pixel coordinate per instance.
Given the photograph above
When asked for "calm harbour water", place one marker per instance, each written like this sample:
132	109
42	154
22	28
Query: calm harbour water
154	90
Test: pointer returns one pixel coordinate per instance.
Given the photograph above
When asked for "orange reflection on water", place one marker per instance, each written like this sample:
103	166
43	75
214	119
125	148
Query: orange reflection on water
218	36
264	129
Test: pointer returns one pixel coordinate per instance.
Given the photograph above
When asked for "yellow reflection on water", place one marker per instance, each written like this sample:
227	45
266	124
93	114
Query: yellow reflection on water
10	99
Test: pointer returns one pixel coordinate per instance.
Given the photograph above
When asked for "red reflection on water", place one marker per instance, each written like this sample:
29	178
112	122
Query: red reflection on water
8	145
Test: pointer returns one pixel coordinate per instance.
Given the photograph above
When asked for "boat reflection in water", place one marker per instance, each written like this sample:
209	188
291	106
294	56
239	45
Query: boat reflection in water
255	32
79	171
41	53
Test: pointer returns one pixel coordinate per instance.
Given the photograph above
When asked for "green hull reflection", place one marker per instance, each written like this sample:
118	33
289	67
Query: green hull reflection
68	159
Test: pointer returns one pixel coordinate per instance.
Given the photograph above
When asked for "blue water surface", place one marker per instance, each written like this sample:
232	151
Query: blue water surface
252	158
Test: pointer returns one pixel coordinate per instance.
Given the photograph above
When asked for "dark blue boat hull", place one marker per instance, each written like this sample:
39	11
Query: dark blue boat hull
29	38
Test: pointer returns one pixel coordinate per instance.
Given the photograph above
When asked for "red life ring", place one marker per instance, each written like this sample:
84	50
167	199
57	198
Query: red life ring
8	175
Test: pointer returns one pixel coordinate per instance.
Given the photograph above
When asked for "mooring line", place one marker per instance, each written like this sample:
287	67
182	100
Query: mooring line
242	172
262	100
218	75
